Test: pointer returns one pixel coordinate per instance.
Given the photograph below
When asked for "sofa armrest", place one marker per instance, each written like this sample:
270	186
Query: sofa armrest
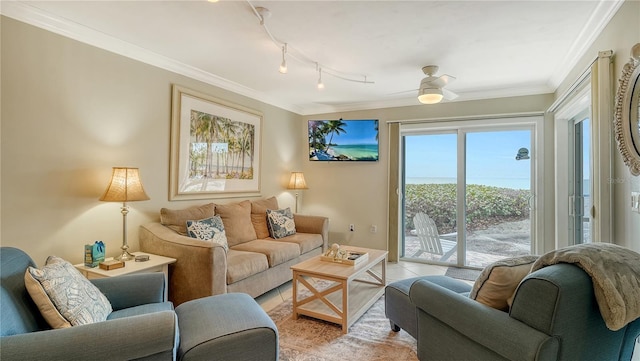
200	269
132	290
313	224
121	339
492	329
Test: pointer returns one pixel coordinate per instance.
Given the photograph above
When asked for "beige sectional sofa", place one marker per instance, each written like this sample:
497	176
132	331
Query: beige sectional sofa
254	262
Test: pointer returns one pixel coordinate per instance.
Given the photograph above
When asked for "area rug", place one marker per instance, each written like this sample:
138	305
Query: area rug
370	338
462	273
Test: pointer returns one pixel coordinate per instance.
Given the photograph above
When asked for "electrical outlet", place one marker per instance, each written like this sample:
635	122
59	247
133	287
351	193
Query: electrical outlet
373	228
351	228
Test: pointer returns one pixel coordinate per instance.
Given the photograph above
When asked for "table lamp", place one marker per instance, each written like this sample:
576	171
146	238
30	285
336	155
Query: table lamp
297	182
125	186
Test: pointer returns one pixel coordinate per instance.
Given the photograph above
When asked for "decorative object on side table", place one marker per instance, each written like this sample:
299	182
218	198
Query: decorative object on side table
297	182
94	253
125	186
111	265
340	255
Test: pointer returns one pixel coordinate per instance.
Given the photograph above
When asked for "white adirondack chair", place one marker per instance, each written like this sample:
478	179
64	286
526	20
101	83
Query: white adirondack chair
430	240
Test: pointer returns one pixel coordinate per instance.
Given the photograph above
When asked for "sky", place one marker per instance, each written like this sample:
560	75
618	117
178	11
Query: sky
491	157
357	132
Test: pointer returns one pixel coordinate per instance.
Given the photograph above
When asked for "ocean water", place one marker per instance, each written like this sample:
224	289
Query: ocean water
357	151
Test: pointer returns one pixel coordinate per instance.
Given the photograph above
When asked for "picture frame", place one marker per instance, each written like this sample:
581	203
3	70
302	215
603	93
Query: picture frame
215	147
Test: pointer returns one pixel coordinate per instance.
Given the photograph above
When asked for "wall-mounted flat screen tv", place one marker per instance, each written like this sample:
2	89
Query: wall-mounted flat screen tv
343	140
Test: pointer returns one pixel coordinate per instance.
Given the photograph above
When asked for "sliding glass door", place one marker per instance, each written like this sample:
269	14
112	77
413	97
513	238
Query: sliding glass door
467	194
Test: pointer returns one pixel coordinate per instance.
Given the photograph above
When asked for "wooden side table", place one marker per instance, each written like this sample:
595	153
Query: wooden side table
154	264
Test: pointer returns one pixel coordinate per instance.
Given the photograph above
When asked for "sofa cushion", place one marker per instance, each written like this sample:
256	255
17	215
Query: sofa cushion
64	296
276	252
498	281
280	223
259	215
176	219
241	265
237	222
306	241
209	229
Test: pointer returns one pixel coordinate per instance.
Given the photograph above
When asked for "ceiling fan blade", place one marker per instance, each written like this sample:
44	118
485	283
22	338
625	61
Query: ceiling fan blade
448	94
403	92
443	80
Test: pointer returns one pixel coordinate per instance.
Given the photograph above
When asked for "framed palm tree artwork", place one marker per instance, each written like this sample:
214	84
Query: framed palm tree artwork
215	147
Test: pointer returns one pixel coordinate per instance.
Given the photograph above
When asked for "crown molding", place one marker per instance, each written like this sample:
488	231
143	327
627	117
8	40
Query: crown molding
601	16
32	15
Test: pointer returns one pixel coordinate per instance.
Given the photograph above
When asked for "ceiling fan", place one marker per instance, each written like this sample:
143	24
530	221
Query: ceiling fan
431	89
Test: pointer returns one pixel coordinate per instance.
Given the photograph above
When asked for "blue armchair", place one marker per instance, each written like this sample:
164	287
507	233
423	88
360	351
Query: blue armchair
554	316
228	327
141	325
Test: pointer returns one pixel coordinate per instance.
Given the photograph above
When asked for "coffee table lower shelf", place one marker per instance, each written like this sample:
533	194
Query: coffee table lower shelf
361	297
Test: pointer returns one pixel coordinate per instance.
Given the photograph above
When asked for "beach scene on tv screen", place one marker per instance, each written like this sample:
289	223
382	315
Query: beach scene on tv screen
343	140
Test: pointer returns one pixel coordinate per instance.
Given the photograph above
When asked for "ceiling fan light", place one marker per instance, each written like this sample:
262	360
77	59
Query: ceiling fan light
430	95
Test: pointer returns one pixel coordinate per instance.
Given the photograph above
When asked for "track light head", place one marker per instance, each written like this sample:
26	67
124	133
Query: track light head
283	65
320	83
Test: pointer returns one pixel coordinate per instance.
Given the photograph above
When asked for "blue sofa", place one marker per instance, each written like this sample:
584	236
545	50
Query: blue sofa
141	326
554	316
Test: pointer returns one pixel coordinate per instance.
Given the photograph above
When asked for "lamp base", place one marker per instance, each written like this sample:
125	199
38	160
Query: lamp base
125	256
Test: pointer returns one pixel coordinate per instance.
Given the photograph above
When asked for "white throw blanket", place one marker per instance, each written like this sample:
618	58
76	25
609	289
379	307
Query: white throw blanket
615	272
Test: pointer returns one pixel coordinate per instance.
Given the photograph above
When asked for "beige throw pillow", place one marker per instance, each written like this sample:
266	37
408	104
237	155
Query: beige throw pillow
236	218
498	281
259	215
176	219
65	297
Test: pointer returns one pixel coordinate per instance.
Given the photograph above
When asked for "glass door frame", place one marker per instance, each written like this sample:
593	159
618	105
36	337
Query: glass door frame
531	122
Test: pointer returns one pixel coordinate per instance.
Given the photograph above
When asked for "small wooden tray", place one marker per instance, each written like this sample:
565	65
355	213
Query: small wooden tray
363	257
109	265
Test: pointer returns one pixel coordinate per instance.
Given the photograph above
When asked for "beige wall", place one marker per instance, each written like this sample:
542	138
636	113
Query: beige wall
622	32
70	112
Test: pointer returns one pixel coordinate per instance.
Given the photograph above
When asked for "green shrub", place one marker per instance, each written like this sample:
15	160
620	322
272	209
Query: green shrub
486	205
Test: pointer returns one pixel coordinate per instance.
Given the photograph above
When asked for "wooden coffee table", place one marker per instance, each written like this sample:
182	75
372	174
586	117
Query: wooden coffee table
353	289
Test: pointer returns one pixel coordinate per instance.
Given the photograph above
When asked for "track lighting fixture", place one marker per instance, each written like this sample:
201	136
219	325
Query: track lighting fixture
283	65
320	83
262	14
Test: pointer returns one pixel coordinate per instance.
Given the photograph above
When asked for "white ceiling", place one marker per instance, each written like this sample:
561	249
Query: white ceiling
493	48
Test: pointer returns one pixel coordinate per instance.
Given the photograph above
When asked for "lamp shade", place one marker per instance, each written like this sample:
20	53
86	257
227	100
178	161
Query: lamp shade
297	181
125	186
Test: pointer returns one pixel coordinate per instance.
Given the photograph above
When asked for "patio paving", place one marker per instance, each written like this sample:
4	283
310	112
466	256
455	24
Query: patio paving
484	247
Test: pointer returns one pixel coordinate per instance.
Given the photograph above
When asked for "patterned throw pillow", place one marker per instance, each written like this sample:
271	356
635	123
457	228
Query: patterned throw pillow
208	229
280	223
498	281
64	296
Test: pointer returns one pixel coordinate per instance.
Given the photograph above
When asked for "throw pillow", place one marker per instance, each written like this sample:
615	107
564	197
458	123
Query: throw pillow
259	215
237	222
176	219
208	229
281	223
498	282
64	296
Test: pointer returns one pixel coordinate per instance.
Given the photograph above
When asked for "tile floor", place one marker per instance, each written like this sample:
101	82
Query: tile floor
395	271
